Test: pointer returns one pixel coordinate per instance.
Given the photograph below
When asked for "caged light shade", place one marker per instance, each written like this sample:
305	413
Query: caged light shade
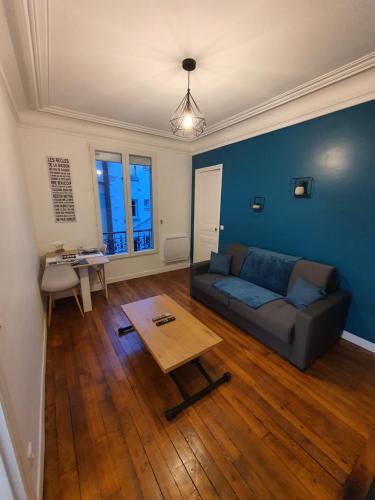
187	120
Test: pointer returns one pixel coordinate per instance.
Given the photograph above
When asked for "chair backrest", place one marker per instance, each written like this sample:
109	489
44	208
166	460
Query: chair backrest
59	277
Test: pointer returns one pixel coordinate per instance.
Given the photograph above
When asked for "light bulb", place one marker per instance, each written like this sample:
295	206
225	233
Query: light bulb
187	121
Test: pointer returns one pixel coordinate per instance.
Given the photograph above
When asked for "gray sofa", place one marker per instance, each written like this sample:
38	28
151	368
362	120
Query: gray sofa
300	336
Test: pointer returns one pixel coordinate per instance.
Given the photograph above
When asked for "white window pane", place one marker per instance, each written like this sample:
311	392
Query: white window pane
108	156
109	171
141	194
140	160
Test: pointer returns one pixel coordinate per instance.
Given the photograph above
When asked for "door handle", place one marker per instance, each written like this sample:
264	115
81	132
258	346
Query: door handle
215	228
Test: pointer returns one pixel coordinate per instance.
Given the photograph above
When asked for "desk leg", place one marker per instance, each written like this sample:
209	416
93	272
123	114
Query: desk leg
105	282
85	288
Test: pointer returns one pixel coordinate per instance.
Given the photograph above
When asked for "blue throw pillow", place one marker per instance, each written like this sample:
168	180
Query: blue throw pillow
220	263
268	269
304	293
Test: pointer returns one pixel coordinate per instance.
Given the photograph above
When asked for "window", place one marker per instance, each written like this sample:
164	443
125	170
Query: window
126	227
135	208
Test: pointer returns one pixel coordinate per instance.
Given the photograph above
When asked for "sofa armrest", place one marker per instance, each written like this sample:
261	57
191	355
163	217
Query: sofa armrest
318	326
199	268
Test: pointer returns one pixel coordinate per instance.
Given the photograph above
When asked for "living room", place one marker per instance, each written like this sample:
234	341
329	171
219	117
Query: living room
188	232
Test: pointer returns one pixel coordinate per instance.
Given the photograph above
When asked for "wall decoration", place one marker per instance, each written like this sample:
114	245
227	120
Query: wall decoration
61	189
302	187
257	203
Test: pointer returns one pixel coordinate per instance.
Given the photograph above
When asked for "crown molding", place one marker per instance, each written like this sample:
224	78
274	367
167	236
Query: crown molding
353	68
287	120
50	122
8	90
78	115
34	17
344	72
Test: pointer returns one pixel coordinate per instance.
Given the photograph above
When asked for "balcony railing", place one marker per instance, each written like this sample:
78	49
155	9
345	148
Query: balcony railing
116	241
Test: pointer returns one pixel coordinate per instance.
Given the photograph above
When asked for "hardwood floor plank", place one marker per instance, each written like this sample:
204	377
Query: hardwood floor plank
222	461
121	455
272	432
67	462
51	483
114	375
312	474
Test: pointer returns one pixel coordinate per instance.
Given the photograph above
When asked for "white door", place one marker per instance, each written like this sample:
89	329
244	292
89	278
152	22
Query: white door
207	211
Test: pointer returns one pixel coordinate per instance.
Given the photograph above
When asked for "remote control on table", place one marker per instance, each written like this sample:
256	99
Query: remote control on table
161	316
165	320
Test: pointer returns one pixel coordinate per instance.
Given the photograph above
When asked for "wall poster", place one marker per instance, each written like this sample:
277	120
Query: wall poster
61	189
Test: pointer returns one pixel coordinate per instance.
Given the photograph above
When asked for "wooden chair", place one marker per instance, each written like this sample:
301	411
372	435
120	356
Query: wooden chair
57	278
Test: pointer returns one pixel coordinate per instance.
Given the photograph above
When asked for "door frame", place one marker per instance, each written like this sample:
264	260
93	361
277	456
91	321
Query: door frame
198	170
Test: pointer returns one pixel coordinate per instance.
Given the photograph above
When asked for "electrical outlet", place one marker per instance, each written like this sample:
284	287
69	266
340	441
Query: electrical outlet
30	453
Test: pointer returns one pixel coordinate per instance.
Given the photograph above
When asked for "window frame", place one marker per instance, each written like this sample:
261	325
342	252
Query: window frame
125	152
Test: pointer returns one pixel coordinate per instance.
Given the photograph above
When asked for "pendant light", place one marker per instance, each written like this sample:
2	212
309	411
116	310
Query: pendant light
187	120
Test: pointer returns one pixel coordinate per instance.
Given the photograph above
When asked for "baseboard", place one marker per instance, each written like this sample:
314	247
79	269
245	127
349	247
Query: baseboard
39	488
141	274
95	287
354	339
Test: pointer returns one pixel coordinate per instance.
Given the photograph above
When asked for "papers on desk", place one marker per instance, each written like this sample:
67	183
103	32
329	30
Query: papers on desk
76	259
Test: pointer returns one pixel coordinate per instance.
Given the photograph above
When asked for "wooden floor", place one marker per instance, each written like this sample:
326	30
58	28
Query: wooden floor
271	432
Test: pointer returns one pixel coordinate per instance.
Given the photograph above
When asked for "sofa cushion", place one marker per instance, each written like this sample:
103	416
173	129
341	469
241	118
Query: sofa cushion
276	318
268	269
320	275
203	282
238	253
220	263
248	293
304	293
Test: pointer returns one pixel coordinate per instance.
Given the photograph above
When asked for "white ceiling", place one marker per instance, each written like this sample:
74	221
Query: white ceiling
120	59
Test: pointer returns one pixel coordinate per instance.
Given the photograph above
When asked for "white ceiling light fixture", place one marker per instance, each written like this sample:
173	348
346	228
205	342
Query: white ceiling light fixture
187	120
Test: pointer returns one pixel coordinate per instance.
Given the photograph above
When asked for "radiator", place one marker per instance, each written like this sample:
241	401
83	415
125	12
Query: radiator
176	248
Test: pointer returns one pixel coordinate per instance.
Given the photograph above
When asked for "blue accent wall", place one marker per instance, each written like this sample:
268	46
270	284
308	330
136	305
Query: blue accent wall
336	226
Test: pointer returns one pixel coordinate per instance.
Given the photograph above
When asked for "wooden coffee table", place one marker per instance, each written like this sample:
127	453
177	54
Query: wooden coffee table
174	344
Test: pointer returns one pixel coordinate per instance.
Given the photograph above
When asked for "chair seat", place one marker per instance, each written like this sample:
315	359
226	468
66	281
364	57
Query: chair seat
59	277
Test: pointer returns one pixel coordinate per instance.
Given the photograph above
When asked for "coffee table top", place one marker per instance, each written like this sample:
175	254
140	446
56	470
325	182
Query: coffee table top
175	343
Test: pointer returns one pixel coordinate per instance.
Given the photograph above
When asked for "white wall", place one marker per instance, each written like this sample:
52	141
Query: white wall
60	137
21	311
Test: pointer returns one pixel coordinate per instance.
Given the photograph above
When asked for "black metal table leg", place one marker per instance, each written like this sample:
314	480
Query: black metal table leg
171	413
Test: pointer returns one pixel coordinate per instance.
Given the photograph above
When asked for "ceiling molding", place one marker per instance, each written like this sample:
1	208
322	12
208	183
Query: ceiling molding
286	120
35	16
8	89
50	122
56	110
353	68
26	35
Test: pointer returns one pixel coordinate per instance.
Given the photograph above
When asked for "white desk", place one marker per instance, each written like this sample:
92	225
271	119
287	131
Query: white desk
97	259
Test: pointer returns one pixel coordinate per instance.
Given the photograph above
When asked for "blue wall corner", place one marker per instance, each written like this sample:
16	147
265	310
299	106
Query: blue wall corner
336	226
